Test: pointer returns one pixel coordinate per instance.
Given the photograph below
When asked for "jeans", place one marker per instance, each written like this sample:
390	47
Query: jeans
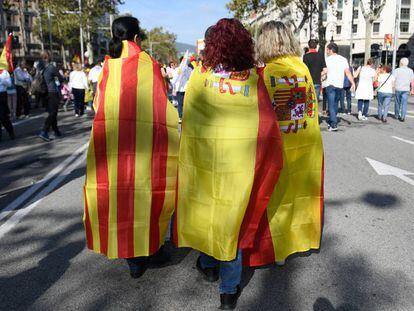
365	104
52	109
317	91
401	98
22	101
346	92
79	100
230	271
4	115
333	94
384	100
180	100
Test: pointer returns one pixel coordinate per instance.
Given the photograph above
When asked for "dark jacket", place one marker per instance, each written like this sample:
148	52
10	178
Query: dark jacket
50	75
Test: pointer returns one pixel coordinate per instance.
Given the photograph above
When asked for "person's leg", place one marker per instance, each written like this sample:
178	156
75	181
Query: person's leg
19	107
76	101
230	274
348	100
82	102
404	102
342	100
380	98
180	100
397	104
317	91
366	108
208	261
332	105
54	113
4	115
137	266
26	102
386	104
324	99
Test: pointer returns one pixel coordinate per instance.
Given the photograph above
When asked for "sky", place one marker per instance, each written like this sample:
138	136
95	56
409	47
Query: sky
188	19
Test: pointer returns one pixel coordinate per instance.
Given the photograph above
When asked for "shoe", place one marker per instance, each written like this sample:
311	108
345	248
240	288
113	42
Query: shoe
402	119
161	257
229	301
364	118
360	115
76	115
180	120
332	129
137	266
348	113
384	120
44	136
58	134
209	274
324	113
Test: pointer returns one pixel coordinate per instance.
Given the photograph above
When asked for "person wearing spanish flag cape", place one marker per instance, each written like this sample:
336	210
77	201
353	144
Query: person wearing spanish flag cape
294	217
132	157
229	159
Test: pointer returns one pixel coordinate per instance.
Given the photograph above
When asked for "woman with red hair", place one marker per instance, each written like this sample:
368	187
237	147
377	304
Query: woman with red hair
229	159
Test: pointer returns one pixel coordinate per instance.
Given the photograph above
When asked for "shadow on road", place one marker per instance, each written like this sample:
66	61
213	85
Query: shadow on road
375	199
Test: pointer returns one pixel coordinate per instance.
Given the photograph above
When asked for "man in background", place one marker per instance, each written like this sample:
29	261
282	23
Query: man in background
316	64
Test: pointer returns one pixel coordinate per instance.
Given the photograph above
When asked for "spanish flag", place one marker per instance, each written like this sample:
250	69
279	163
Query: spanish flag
229	162
132	158
294	217
6	58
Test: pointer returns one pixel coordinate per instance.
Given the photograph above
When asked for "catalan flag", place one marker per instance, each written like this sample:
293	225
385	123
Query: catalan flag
294	217
132	158
6	58
229	162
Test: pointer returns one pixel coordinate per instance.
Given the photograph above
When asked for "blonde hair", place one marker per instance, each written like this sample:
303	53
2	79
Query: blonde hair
276	40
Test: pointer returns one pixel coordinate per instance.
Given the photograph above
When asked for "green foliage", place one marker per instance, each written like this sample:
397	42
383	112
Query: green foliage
239	7
163	47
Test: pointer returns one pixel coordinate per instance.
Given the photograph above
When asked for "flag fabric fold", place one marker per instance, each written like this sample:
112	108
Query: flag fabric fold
293	221
229	162
6	58
132	158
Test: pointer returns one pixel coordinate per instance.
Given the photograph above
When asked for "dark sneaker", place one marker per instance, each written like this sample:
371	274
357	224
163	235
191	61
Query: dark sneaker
161	257
44	136
209	274
58	134
229	301
137	266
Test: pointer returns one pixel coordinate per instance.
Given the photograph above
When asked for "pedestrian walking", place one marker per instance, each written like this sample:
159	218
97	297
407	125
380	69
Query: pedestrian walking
315	61
5	82
179	82
94	74
346	94
338	67
51	78
365	90
12	99
22	80
78	83
404	85
293	217
230	158
131	167
385	91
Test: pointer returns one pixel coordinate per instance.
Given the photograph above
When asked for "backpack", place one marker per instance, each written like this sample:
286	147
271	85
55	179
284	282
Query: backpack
39	86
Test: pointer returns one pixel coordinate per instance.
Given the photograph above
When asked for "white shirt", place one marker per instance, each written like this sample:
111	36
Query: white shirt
386	84
94	74
403	78
78	80
365	89
5	81
336	65
181	78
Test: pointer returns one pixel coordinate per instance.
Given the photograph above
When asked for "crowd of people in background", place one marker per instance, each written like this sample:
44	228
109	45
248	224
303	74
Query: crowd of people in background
339	81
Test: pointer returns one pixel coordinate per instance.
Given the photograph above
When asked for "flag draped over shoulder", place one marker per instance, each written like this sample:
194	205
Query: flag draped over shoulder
229	162
294	218
6	58
132	158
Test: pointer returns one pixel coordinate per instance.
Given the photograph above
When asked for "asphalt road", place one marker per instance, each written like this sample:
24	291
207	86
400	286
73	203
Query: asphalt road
366	261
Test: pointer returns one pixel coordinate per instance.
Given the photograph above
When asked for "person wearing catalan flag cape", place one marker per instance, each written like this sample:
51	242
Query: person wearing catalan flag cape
132	156
294	217
229	159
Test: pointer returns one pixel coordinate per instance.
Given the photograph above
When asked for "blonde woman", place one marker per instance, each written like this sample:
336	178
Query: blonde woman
78	82
295	211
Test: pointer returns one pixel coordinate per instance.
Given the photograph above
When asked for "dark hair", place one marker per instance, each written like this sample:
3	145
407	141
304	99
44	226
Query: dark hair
370	61
312	43
230	46
387	69
124	28
45	55
208	32
333	47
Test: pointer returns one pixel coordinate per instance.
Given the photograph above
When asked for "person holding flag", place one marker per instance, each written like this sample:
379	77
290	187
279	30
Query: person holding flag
131	167
230	158
6	67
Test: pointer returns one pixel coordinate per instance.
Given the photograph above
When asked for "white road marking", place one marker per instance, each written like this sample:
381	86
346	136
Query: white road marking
404	140
29	192
27	120
383	169
15	219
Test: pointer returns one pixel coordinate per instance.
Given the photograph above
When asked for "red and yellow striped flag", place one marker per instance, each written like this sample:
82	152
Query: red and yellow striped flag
230	159
132	158
6	58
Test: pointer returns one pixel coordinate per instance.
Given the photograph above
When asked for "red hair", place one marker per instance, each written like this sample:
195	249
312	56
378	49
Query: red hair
229	46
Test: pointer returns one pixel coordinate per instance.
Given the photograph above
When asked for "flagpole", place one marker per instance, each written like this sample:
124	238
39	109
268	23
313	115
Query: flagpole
396	33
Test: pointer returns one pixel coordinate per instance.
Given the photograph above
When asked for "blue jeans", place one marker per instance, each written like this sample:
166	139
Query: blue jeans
365	104
230	271
384	100
180	100
333	94
317	91
401	99
346	92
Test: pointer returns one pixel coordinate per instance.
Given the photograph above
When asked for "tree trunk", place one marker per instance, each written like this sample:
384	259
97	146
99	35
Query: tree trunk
22	27
321	28
89	47
368	34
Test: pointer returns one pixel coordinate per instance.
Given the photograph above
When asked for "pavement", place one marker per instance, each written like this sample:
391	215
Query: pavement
366	262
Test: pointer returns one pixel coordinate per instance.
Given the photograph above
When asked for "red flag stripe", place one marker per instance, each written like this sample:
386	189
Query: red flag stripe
87	223
159	156
267	168
126	158
99	136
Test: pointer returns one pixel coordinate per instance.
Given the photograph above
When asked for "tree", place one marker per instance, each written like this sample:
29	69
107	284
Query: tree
161	44
371	10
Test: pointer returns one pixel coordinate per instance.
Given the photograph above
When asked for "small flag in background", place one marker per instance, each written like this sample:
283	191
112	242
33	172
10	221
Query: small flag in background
6	58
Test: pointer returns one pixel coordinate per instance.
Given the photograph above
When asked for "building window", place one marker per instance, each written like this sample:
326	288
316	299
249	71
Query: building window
405	13
355	16
340	4
339	15
376	27
354	28
338	30
28	36
406	2
404	26
27	21
324	16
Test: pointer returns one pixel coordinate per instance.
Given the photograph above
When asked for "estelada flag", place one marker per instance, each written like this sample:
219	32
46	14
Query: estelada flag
6	58
132	158
294	217
230	159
